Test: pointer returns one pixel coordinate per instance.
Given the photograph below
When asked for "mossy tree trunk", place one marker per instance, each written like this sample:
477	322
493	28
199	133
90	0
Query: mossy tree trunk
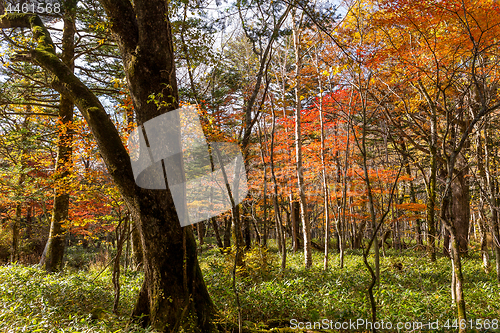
52	257
173	294
16	223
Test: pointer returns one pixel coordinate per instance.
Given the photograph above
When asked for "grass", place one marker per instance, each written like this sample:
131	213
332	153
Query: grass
34	301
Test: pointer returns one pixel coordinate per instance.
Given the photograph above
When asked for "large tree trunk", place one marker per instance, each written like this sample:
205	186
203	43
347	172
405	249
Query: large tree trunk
173	294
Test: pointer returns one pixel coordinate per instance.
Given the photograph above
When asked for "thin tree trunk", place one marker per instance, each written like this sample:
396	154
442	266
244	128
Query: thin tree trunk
343	225
14	255
371	204
121	235
325	182
431	190
298	147
492	190
247	233
295	218
482	224
238	260
127	246
461	204
217	233
279	224
264	222
52	259
413	196
16	223
484	197
200	231
227	232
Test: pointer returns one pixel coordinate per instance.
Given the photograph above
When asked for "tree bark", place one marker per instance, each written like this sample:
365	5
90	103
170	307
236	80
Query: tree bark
279	225
325	181
295	218
14	255
217	233
431	191
137	256
247	233
16	223
460	208
492	190
52	258
200	231
227	232
306	228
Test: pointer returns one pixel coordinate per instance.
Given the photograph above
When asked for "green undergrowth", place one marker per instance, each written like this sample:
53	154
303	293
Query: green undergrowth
32	300
411	289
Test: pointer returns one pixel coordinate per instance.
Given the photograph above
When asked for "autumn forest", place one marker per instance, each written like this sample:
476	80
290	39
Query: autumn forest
368	136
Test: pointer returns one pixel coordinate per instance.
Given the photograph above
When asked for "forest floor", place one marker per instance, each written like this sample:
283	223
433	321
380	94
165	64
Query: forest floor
411	290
